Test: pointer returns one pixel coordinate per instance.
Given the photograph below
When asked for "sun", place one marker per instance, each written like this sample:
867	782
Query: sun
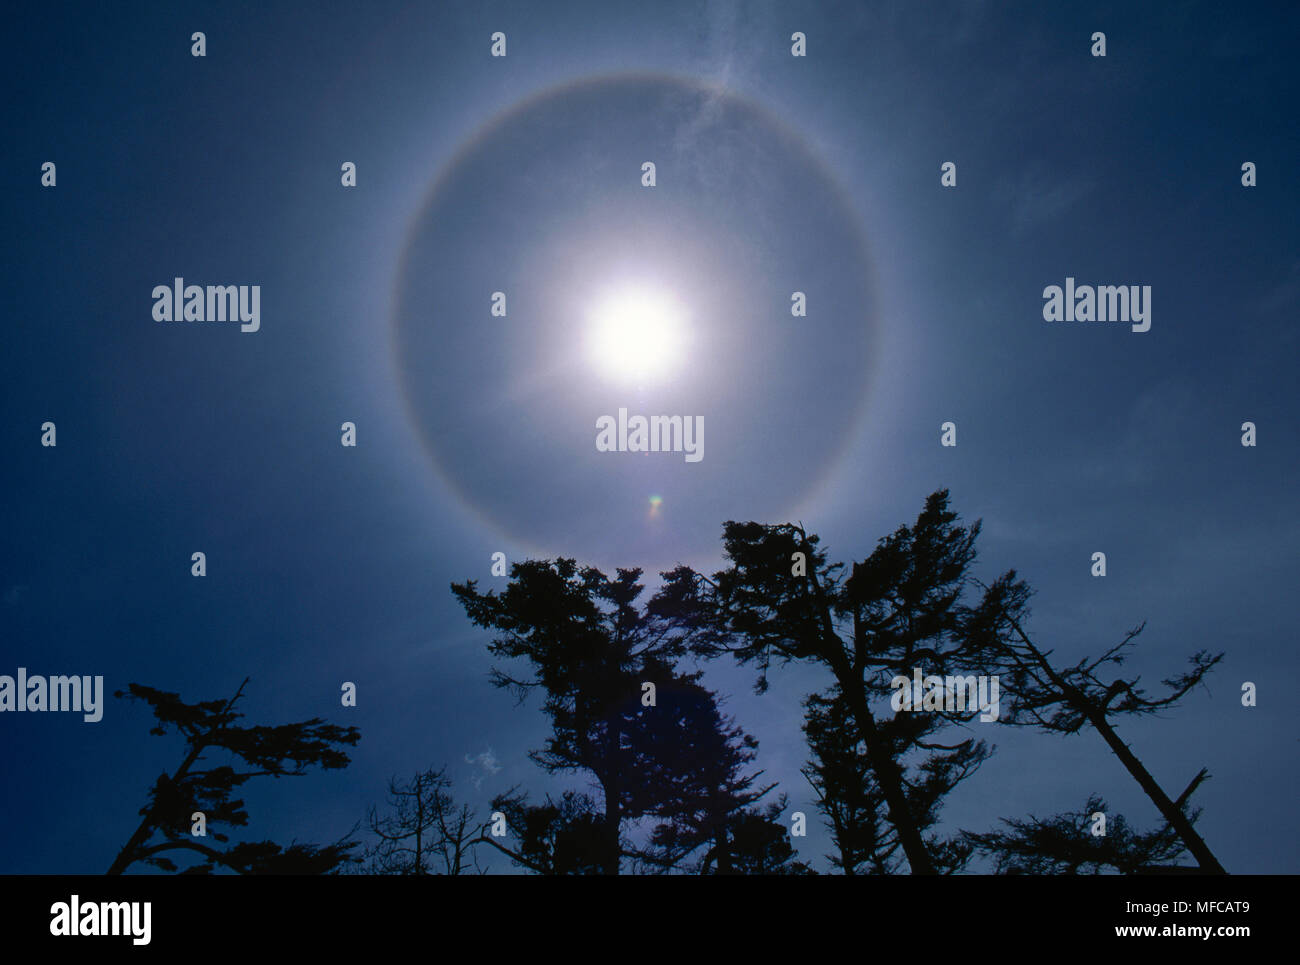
636	334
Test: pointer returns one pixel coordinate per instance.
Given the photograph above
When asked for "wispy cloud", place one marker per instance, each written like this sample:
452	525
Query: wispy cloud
486	763
1040	195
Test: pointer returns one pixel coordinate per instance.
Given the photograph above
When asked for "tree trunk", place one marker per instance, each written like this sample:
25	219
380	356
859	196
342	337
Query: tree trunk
611	784
1171	812
1096	715
890	777
126	857
887	771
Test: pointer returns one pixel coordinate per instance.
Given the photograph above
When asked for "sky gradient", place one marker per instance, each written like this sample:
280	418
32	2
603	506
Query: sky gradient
475	434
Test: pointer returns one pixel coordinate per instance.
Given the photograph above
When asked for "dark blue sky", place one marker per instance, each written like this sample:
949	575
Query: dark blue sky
476	433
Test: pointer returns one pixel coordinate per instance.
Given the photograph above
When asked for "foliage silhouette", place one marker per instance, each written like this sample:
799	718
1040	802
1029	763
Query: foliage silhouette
564	837
675	764
847	792
681	771
1064	844
285	750
898	610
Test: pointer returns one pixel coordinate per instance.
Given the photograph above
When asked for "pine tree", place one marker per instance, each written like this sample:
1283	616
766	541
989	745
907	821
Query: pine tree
899	610
209	727
667	763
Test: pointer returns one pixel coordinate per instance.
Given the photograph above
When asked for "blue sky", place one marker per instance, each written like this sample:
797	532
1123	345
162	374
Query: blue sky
475	433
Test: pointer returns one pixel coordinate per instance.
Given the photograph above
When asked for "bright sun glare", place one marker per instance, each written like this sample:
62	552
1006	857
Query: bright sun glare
636	334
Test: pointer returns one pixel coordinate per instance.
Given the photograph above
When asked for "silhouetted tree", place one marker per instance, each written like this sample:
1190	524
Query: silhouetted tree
285	750
697	758
584	641
898	610
846	788
676	762
1064	700
564	837
425	832
758	843
1065	844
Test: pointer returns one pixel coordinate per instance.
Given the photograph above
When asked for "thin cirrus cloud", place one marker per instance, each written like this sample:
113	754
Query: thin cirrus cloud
1037	197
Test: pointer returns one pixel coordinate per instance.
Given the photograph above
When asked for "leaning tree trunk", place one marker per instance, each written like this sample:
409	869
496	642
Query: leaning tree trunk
1096	715
1172	813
